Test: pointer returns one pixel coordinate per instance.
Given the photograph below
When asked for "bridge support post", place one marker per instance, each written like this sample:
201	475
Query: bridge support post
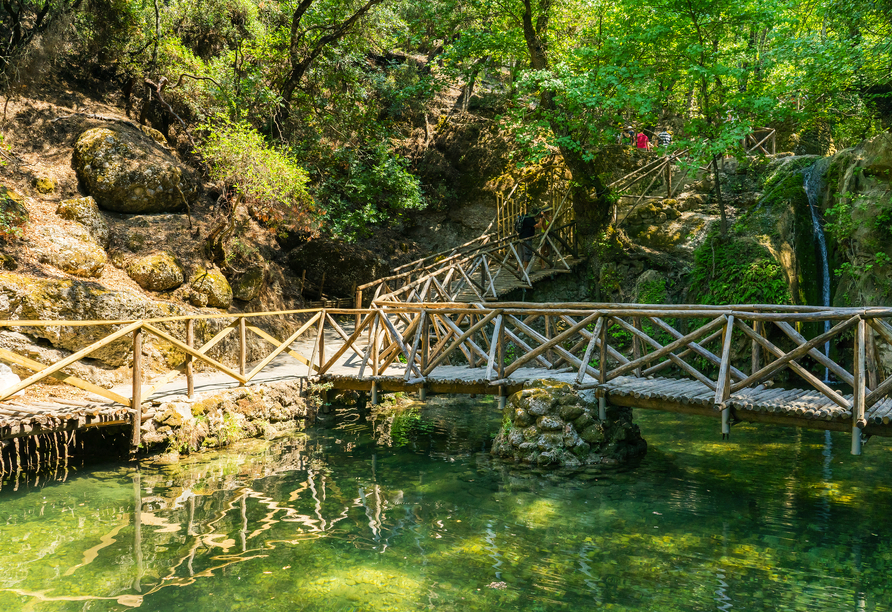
374	393
858	388
503	398
602	405
422	393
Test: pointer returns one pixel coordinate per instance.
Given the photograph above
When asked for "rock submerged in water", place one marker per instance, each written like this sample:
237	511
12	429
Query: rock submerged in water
157	272
127	171
551	424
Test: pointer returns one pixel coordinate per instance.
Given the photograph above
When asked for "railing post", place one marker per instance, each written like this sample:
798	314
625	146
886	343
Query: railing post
757	349
190	342
858	422
358	305
723	383
636	344
242	348
136	397
602	372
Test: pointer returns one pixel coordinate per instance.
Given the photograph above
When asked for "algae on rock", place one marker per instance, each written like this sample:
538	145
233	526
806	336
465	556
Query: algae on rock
210	288
72	250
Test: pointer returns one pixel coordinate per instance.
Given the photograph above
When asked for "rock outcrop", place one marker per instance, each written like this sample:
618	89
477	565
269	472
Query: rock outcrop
342	266
157	272
551	424
86	212
127	171
72	250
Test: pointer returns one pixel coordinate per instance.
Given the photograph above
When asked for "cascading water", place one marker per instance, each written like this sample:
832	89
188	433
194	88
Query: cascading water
813	176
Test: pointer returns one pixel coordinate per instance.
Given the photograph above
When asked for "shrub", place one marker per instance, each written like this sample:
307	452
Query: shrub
265	178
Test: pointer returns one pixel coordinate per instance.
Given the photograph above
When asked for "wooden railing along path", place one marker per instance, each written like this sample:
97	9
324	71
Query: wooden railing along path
480	273
720	361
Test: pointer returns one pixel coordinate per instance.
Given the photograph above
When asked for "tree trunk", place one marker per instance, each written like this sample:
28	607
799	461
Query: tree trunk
588	193
718	195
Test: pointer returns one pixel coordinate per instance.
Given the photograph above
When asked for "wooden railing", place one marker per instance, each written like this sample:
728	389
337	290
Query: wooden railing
476	272
726	349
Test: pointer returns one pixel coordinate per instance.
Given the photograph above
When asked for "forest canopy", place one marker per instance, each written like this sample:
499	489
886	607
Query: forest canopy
330	91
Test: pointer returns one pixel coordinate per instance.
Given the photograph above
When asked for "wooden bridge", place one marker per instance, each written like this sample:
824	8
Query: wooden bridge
735	363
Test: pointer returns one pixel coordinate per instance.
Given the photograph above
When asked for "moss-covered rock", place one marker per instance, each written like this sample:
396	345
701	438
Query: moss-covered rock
72	250
44	184
247	287
86	212
157	272
210	288
551	424
128	171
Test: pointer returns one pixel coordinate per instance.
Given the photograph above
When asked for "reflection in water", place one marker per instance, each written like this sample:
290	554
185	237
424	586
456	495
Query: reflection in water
384	511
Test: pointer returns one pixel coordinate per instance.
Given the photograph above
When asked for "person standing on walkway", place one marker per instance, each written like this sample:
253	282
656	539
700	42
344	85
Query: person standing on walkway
643	142
664	138
526	231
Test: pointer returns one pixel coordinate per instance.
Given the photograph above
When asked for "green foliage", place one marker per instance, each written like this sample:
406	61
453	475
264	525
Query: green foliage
408	425
366	188
264	177
739	271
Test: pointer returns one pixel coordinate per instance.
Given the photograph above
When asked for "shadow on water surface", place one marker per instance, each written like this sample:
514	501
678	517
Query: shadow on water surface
404	510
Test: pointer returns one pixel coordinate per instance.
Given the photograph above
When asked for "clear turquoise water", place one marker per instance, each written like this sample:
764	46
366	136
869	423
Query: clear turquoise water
410	514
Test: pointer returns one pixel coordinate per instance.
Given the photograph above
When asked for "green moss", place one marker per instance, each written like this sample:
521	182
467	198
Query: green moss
739	271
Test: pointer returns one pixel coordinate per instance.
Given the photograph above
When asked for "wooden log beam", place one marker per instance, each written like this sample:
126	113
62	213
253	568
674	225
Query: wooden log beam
816	354
813	380
67	379
686	367
696	348
669	348
546	346
59	365
461	339
285	345
560	350
201	356
781	362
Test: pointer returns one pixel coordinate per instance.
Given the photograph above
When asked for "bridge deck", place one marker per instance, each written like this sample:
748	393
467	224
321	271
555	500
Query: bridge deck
794	407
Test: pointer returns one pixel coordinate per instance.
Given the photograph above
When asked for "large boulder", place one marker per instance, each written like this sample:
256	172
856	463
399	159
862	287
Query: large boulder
157	272
128	171
71	249
210	288
86	212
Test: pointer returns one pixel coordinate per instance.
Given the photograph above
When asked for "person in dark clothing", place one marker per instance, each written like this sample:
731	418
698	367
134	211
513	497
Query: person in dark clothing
526	233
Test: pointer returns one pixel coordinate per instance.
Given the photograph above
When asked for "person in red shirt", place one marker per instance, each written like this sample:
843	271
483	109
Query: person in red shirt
643	141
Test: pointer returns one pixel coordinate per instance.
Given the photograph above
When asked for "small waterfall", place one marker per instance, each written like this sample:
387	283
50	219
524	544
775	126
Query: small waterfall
813	176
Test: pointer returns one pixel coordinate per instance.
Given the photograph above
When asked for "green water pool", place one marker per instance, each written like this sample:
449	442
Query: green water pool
409	512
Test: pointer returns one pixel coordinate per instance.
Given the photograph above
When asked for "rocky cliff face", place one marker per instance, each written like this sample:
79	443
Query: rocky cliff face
857	203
